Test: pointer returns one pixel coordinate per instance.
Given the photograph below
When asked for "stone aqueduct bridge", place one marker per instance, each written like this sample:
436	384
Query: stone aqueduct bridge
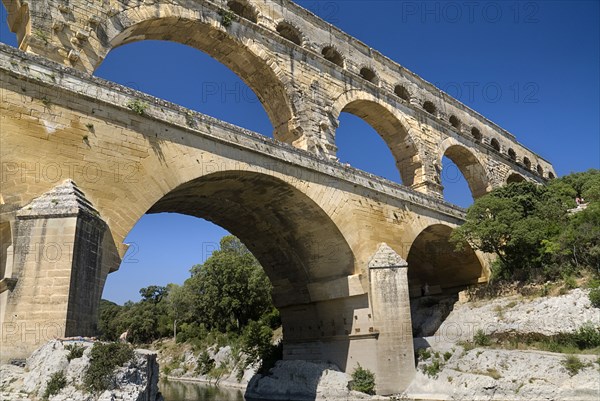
80	167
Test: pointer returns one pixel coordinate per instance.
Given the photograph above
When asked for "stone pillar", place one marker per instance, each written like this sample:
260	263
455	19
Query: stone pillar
59	268
389	298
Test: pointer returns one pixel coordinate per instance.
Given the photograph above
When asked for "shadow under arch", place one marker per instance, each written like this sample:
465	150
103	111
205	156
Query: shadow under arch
468	164
390	127
192	28
291	236
436	273
514	178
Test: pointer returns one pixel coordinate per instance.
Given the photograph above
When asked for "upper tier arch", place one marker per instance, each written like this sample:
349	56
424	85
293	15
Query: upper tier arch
192	28
390	125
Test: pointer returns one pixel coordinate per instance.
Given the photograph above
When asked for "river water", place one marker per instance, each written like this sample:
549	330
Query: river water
181	391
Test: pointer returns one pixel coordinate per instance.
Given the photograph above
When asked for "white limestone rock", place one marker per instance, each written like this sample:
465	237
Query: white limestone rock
301	380
135	381
503	375
544	315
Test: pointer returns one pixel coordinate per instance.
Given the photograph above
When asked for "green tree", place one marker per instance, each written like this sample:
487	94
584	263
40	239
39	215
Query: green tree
529	228
229	289
225	293
108	320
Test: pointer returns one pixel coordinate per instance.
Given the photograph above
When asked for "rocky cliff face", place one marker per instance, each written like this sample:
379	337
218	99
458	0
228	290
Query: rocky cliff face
454	368
136	380
301	380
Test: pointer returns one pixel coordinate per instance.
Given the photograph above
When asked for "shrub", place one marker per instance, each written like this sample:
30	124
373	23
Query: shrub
57	382
573	364
424	354
587	336
570	282
256	342
104	358
363	380
205	364
594	297
447	355
227	17
433	369
75	351
137	106
481	339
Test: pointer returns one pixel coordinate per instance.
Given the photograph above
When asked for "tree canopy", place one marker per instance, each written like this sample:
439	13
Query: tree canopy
225	293
533	232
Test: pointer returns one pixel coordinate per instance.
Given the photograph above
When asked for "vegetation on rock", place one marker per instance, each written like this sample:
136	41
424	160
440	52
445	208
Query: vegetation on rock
533	234
104	358
57	382
363	380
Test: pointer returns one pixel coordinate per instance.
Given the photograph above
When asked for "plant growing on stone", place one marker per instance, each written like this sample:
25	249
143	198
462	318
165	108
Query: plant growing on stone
190	120
363	380
432	369
481	339
423	354
42	35
227	17
57	382
75	351
104	358
137	106
573	364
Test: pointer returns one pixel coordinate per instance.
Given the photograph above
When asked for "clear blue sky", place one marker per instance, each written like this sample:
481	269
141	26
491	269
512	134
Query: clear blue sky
531	67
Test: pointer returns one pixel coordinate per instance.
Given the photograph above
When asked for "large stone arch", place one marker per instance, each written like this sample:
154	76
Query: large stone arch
275	220
390	125
469	164
435	261
197	28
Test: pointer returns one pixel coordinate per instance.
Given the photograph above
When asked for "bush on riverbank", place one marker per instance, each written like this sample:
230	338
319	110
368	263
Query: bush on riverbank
104	358
363	380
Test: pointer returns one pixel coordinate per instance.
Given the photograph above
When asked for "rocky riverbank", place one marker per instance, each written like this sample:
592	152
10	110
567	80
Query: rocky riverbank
465	355
55	372
466	359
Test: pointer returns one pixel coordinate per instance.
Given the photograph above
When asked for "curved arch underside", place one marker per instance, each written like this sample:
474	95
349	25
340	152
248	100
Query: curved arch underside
393	133
290	235
434	261
238	57
471	169
514	178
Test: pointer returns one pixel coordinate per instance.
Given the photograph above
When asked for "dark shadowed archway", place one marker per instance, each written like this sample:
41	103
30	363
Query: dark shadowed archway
436	273
471	169
514	178
434	260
